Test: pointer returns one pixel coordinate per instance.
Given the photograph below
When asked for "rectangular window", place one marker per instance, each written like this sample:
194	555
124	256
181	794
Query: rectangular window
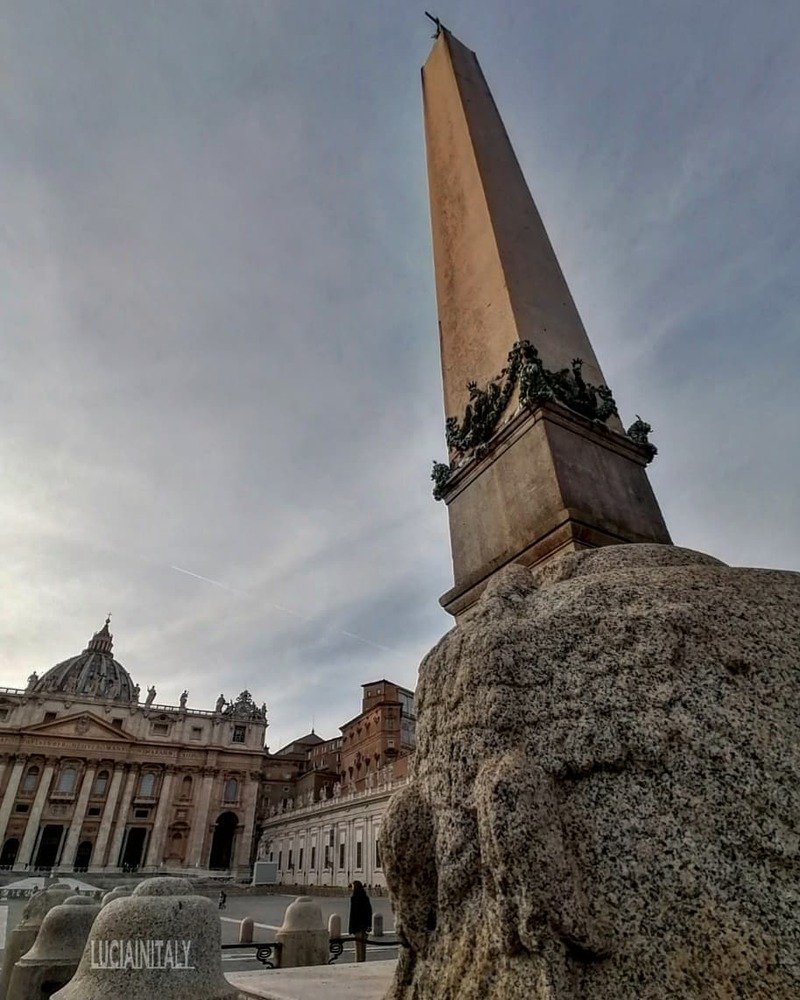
290	865
377	853
313	856
49	716
116	723
197	732
160	728
21	807
300	859
141	813
238	734
271	856
327	856
4	713
341	856
359	857
93	811
280	857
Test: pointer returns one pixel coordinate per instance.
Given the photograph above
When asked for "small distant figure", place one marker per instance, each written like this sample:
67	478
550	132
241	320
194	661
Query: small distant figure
151	695
223	899
184	699
360	919
220	704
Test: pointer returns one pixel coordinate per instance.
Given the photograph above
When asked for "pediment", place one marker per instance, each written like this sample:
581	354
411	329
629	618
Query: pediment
80	725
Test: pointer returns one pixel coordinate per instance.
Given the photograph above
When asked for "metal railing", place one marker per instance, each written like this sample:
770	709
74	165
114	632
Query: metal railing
268	953
338	943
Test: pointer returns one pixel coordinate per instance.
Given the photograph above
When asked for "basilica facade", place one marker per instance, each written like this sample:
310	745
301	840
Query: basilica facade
96	778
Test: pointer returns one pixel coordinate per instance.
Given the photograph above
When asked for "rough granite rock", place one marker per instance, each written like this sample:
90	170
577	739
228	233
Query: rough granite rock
606	796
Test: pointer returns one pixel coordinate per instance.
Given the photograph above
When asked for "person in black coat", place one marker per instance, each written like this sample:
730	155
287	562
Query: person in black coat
360	919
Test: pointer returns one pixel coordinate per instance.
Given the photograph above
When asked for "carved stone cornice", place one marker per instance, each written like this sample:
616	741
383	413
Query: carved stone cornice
471	438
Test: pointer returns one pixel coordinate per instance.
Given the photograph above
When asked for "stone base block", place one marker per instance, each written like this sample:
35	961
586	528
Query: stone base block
551	482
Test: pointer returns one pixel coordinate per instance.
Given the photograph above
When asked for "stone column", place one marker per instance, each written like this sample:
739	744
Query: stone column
156	847
366	850
122	816
200	824
249	793
106	821
32	829
10	795
350	850
78	816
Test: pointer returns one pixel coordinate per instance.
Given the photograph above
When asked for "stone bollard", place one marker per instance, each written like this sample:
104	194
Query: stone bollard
22	937
165	885
246	931
303	936
334	926
116	893
154	943
55	954
377	925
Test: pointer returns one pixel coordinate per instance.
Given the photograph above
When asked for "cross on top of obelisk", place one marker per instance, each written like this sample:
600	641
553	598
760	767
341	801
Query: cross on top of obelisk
436	21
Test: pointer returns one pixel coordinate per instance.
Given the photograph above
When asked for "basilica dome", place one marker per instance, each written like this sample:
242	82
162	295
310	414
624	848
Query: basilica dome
93	673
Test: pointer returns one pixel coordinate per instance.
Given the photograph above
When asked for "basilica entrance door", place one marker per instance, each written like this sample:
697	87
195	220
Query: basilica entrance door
83	855
9	855
49	844
133	851
222	844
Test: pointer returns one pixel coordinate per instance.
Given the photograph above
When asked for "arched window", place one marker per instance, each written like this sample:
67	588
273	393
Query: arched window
100	784
30	779
186	787
67	780
231	792
147	785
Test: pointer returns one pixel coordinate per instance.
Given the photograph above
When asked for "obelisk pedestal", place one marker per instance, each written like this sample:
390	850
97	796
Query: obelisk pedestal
553	482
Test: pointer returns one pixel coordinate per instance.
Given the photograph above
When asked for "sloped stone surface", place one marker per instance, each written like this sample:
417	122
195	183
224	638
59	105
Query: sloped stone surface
606	799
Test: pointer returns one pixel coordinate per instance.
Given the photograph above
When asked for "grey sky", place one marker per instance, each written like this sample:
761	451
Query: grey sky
219	344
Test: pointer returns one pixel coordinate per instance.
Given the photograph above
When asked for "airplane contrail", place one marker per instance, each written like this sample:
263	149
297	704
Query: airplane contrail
206	579
287	611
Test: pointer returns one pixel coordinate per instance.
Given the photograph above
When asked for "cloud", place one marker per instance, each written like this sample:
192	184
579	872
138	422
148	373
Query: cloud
220	346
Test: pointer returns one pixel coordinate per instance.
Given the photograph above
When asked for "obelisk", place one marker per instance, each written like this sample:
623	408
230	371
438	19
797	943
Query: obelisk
539	463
